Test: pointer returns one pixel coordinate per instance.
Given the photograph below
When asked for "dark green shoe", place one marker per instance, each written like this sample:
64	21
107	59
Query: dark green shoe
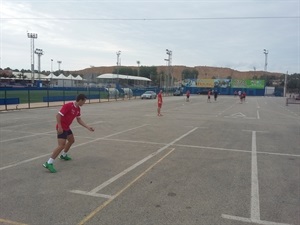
50	167
65	157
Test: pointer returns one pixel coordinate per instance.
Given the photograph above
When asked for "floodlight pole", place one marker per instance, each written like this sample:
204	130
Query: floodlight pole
39	52
59	62
266	52
138	62
285	84
118	64
167	74
118	61
169	53
32	36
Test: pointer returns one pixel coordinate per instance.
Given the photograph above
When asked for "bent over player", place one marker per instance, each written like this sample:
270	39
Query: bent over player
65	137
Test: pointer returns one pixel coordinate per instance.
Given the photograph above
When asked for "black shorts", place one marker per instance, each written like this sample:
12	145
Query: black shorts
64	134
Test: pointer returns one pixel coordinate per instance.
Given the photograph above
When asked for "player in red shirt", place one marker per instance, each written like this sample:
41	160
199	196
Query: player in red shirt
188	95
208	96
159	103
65	137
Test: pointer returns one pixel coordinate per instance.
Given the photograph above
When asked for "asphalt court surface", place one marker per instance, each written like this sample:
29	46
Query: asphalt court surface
200	163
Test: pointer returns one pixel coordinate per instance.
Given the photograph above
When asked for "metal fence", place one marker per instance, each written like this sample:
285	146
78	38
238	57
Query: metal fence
33	97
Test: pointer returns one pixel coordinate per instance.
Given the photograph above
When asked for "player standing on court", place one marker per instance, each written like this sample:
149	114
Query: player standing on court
159	103
215	94
65	137
188	95
208	96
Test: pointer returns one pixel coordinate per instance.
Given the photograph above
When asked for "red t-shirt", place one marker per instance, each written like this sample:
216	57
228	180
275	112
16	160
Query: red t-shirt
68	113
159	98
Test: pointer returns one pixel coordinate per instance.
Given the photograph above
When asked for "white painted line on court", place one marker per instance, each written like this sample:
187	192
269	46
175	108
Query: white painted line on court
257	131
23	132
111	180
255	209
39	134
236	150
225	110
91	194
133	141
255	206
22	162
258	115
213	148
24	124
27	136
257	105
249	220
280	154
41	156
156	143
107	202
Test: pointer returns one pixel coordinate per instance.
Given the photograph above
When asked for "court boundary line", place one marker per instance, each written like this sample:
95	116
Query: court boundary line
75	146
39	134
103	205
132	167
254	199
154	143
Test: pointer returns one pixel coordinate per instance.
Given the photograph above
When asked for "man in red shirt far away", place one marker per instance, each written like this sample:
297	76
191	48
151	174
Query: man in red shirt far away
188	95
159	103
65	137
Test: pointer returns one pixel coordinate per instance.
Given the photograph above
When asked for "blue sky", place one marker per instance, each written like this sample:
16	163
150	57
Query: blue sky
84	33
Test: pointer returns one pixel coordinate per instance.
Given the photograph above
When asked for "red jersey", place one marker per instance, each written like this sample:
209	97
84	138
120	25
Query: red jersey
68	113
159	98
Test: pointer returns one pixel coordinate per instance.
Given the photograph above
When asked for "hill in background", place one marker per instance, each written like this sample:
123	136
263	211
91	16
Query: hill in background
203	72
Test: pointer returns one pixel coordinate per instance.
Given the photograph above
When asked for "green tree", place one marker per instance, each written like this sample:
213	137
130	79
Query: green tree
189	74
268	79
293	82
124	71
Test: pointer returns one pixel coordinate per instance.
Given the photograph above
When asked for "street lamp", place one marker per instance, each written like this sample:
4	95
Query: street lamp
167	74
59	62
118	60
32	36
118	64
39	52
169	53
266	52
138	62
51	72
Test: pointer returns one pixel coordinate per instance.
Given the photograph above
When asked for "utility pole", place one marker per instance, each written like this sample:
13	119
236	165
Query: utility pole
118	61
59	62
138	62
266	52
32	36
39	52
285	83
118	64
169	53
